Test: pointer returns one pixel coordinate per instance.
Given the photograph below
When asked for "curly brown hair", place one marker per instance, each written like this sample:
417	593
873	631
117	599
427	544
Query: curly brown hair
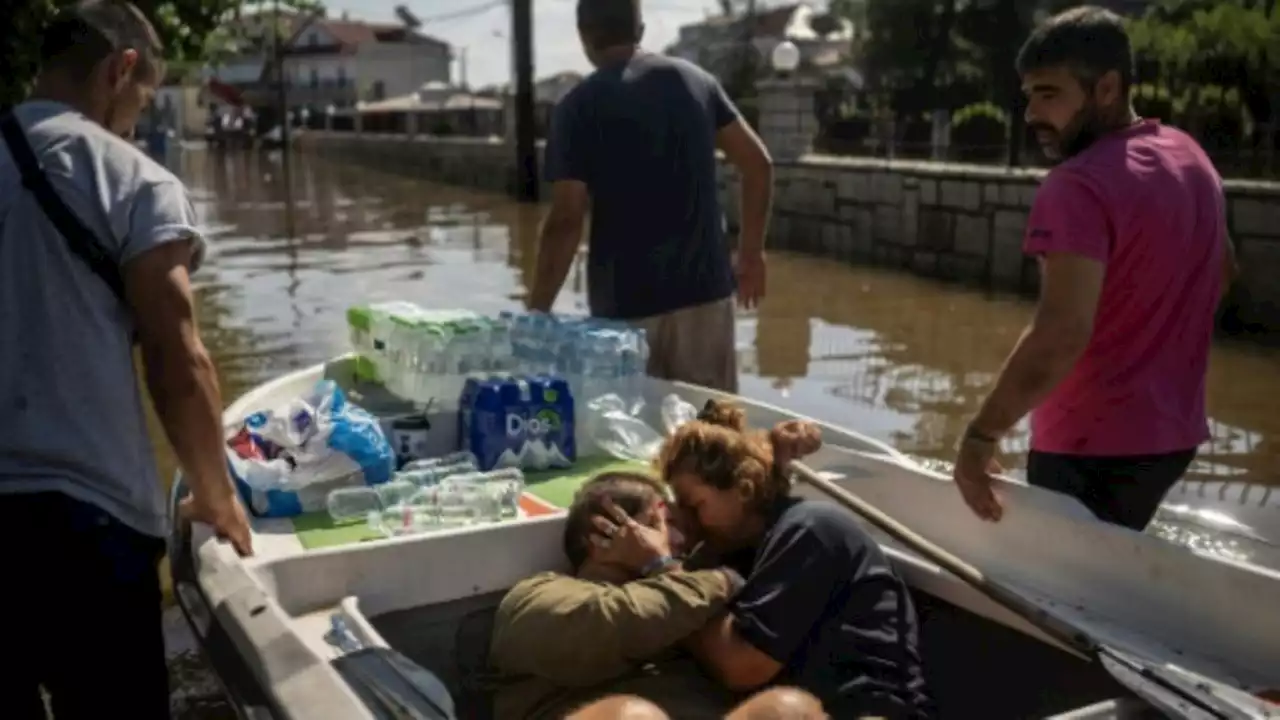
719	448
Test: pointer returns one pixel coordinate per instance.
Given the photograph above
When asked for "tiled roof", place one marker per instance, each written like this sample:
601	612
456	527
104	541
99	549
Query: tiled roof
350	34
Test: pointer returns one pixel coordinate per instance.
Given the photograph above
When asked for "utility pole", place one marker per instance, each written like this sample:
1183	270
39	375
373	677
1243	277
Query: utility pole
282	100
522	59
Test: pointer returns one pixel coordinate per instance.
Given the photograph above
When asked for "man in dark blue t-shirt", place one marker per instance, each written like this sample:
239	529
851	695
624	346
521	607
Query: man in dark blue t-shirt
635	145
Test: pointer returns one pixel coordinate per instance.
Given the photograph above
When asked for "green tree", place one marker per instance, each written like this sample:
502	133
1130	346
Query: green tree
192	32
1203	61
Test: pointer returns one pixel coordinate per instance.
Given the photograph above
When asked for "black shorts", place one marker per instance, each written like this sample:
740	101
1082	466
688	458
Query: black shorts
81	603
1122	490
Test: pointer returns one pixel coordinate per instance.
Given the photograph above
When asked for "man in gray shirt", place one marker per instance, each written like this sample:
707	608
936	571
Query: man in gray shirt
83	513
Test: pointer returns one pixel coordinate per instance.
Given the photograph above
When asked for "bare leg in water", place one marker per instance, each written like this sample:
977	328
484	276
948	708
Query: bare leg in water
775	704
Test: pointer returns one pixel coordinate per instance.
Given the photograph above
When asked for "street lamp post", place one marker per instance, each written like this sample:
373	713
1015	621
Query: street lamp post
786	101
785	58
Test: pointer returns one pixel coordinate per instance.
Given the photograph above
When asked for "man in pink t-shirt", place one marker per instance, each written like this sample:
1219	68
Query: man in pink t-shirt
1130	233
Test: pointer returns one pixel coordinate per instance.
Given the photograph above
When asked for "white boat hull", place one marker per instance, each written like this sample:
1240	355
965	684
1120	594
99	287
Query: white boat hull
1164	604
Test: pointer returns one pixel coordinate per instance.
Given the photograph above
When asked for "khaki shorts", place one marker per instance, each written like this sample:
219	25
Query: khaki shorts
694	345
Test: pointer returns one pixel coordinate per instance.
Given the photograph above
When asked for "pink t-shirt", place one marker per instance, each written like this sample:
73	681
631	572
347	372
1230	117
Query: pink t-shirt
1148	203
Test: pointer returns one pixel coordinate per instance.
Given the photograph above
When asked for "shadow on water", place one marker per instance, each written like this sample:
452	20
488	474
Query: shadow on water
896	357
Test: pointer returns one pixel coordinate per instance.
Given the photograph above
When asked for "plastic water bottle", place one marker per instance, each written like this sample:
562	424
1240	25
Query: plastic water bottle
500	355
473	360
427	477
453	458
509	485
432	365
352	503
395	493
403	519
449	380
401	353
468	505
570	363
546	342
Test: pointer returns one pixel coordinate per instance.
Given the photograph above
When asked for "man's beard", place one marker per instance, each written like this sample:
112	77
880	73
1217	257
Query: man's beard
1083	130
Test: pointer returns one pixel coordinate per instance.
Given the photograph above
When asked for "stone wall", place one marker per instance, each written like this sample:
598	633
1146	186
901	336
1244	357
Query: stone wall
953	222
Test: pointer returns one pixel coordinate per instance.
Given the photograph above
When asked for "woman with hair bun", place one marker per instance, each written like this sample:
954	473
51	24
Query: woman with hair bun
821	608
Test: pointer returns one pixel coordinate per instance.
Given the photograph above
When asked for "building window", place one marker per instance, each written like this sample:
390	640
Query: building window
379	90
313	38
342	76
315	78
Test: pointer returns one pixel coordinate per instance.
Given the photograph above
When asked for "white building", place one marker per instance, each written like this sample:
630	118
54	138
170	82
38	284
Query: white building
338	62
715	43
327	62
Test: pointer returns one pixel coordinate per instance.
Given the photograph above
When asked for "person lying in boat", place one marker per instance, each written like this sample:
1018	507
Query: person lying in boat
821	608
615	624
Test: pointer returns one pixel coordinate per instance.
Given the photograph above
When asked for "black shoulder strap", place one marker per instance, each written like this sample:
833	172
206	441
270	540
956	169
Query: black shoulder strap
82	241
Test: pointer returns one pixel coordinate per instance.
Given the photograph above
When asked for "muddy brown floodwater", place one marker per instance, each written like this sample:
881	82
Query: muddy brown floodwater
896	357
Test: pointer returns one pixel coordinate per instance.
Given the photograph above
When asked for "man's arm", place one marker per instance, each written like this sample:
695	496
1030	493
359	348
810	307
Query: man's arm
561	231
1070	232
775	611
744	150
161	247
576	633
558	242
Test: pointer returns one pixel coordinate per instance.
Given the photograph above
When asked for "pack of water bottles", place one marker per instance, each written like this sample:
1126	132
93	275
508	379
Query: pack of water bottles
522	421
432	494
427	356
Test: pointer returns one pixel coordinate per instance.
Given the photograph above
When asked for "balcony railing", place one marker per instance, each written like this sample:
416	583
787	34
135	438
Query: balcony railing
320	83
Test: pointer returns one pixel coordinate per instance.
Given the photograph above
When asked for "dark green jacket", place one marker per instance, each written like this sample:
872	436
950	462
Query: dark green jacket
572	641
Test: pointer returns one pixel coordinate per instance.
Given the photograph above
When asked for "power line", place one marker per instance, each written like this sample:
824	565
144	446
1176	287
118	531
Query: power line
486	7
465	12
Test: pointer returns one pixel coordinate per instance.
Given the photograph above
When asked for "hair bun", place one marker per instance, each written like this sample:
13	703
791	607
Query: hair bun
724	414
794	439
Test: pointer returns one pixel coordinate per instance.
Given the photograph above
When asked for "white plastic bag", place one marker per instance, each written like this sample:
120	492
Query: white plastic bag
286	460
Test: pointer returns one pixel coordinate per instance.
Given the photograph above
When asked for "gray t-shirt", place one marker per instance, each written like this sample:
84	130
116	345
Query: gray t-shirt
70	403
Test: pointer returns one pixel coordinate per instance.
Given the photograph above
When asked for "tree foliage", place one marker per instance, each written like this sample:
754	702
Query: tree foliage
1195	57
192	32
1212	56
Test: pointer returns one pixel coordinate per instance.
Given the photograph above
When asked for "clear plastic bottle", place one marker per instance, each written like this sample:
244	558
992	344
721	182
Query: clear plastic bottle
401	355
468	505
509	486
395	493
431	368
429	476
404	519
352	503
453	458
500	356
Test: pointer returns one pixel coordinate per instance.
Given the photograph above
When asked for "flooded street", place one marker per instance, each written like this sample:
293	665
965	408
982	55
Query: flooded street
899	358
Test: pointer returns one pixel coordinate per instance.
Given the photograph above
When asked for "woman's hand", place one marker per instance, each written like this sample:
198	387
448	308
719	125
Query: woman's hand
624	541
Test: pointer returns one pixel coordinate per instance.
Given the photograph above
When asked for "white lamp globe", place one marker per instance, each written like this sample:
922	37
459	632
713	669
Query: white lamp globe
786	57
